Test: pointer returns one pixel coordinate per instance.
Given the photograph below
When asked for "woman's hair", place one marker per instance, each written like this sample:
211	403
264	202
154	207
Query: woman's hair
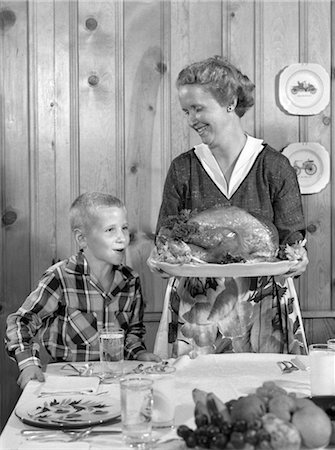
223	80
84	208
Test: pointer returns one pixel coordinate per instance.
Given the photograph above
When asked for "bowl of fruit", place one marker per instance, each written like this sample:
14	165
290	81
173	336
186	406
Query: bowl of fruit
269	419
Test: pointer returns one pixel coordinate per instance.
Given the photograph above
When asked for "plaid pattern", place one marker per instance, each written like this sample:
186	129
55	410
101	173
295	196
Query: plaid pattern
67	309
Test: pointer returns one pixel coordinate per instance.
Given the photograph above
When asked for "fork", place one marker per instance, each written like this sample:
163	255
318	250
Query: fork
287	366
68	435
72	436
81	392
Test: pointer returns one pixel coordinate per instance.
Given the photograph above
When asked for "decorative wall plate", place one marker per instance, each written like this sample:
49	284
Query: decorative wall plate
304	89
67	412
312	164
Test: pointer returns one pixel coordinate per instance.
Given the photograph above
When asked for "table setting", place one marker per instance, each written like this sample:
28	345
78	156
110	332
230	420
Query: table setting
185	402
227	376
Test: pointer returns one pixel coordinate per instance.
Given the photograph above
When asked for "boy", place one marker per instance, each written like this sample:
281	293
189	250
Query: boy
82	294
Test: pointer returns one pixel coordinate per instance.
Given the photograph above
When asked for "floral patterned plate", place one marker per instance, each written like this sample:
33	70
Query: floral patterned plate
68	412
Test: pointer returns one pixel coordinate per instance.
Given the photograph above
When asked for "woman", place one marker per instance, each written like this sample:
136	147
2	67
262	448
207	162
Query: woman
261	314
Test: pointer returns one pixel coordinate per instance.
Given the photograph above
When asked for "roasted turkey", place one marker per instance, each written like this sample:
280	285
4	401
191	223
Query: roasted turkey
218	235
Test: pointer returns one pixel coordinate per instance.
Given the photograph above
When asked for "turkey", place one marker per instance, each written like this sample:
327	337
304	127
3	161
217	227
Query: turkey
217	235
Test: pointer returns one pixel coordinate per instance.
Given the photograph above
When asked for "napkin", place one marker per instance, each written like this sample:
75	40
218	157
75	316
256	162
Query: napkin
297	361
55	384
54	446
180	362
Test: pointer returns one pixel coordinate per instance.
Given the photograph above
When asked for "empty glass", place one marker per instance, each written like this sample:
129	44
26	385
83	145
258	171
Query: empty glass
136	411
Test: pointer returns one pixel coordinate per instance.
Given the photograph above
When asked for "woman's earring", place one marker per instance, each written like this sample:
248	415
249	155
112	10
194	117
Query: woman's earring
230	108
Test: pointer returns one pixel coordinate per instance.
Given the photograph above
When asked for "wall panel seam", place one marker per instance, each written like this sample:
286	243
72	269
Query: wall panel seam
332	149
259	68
303	57
33	133
120	97
166	150
74	100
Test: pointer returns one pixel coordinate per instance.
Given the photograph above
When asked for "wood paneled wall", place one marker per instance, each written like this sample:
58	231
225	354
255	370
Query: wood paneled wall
88	101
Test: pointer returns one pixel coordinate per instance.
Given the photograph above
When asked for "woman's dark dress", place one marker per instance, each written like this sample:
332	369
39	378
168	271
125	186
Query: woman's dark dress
256	314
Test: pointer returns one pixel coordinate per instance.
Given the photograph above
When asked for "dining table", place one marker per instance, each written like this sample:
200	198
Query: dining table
227	375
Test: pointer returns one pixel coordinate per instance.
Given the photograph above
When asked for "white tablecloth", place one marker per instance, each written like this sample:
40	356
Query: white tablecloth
227	375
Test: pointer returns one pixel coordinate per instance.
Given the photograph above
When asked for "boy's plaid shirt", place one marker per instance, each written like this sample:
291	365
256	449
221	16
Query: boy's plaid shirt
68	308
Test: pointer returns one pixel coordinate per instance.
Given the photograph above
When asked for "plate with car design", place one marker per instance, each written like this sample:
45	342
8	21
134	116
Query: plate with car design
304	89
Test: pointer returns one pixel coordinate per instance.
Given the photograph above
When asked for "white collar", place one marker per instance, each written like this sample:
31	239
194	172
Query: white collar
242	167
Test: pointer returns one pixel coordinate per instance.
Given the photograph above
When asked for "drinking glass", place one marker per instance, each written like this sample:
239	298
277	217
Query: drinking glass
164	392
331	343
136	411
322	369
111	345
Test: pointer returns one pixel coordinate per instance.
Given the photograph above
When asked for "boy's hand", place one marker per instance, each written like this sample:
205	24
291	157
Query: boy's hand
30	373
146	356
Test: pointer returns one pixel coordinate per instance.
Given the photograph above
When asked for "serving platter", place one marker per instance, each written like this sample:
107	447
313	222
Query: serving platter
311	162
304	89
226	270
59	412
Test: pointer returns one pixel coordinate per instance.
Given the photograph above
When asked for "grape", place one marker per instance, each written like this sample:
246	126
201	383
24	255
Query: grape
263	435
201	419
226	428
264	445
250	436
199	433
255	424
213	430
217	419
240	425
237	439
191	440
201	430
219	441
203	440
183	431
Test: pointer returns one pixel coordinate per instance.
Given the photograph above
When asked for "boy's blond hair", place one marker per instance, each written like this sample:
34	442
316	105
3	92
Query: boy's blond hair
86	206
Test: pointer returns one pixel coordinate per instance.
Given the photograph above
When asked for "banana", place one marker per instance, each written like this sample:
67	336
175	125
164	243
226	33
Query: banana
199	396
209	404
215	406
201	409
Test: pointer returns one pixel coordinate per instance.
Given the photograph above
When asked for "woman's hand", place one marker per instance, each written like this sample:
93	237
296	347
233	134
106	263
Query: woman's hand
300	267
154	269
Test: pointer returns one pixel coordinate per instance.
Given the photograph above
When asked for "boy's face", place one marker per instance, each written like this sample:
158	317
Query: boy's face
108	236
